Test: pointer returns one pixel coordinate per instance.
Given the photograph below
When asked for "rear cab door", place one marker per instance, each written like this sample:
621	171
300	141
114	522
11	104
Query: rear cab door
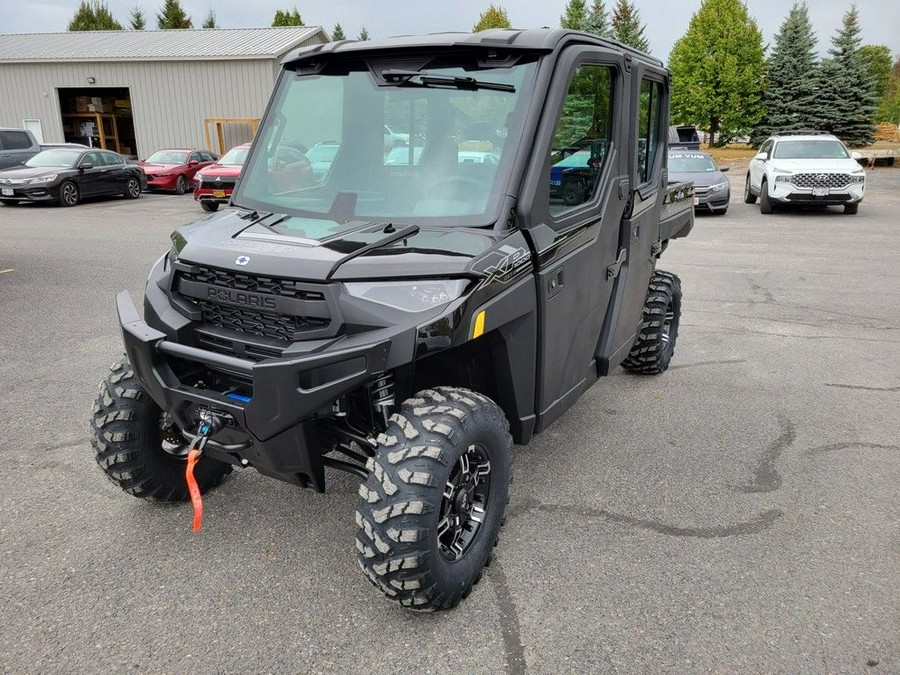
574	234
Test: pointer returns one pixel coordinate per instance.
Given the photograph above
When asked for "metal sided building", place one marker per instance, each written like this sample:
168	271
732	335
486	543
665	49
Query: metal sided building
138	91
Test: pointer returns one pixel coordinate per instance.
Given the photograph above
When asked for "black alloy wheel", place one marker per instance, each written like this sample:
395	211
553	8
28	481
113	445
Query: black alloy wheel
465	503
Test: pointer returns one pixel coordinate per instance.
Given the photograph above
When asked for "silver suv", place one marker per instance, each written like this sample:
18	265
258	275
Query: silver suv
805	170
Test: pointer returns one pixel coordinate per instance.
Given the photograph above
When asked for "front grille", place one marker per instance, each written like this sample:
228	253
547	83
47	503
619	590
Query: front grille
700	191
241	281
829	180
807	197
264	324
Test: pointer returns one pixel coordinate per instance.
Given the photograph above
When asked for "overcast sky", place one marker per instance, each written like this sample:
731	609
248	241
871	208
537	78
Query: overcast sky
666	20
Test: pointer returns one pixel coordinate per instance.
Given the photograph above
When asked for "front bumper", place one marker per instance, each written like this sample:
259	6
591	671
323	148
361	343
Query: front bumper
30	193
221	196
712	201
788	193
161	182
274	430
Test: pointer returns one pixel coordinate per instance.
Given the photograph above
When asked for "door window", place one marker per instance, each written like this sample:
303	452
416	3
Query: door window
582	138
14	140
648	128
92	158
112	159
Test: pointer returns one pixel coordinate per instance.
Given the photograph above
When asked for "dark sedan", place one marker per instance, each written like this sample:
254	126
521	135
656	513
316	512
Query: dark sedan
712	191
67	175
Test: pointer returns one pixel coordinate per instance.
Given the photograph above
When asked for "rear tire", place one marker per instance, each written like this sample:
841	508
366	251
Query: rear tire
136	449
765	204
181	185
749	197
431	509
209	206
655	344
851	208
133	189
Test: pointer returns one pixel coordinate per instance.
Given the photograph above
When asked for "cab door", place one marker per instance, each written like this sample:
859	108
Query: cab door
91	174
639	231
572	203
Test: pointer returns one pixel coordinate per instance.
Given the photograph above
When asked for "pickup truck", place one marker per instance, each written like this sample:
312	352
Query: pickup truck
406	323
17	146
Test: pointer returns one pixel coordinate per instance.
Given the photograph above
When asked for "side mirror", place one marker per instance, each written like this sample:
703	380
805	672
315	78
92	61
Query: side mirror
723	169
85	166
761	156
193	162
856	155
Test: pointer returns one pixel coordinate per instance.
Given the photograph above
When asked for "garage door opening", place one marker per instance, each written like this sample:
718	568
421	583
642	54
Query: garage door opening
99	117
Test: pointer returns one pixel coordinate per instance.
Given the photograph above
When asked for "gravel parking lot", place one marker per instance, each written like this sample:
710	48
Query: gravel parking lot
736	514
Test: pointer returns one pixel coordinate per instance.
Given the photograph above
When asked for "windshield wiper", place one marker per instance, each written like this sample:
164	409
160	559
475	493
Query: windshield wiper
392	234
404	78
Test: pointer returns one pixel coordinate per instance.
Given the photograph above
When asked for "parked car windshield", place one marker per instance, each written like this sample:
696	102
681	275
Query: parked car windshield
64	159
168	157
235	157
691	163
824	149
438	120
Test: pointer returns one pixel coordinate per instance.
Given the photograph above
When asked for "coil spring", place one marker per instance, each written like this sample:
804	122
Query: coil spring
382	392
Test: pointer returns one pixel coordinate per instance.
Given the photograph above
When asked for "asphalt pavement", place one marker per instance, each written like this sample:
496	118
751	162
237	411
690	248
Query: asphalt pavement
737	514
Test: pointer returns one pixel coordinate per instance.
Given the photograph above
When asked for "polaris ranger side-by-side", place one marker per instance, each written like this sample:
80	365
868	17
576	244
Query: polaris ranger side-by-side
406	314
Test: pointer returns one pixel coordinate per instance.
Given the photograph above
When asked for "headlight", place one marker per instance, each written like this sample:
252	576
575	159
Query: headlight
858	177
783	179
718	187
43	179
408	296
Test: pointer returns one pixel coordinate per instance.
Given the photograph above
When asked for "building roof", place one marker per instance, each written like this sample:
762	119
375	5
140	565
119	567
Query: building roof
155	45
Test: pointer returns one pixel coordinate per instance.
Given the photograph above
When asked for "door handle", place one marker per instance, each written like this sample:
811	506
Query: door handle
613	270
555	284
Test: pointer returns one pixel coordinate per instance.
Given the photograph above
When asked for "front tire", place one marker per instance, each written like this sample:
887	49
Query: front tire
69	194
749	197
181	185
765	204
431	509
655	344
137	448
209	206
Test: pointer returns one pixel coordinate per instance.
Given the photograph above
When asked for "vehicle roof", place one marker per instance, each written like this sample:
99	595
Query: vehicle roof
536	39
804	137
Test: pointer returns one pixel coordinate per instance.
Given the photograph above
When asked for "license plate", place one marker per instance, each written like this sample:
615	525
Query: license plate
820	192
219	194
696	201
7	192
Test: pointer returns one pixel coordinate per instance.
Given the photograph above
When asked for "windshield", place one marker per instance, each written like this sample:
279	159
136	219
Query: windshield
347	145
235	157
825	149
65	159
168	157
692	163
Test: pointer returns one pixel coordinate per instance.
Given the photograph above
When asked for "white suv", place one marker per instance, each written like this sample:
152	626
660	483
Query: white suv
805	170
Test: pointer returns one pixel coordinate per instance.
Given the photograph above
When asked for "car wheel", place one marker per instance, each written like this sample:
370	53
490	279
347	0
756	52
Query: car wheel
133	189
69	194
851	208
209	206
181	185
749	197
765	204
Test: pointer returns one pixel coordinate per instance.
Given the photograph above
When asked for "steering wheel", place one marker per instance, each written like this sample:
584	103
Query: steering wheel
285	154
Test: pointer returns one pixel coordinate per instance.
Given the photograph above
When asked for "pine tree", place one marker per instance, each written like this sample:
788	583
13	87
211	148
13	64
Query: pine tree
287	17
576	15
845	103
173	16
338	33
492	17
93	15
791	78
718	69
598	20
627	27
136	19
210	20
363	35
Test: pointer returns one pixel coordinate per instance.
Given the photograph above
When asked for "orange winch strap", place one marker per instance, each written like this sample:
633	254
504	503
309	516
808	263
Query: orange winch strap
193	488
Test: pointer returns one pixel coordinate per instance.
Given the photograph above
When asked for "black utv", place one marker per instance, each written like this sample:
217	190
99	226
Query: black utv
406	314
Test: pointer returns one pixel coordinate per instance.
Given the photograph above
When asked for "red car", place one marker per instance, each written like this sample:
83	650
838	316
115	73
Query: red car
214	184
174	169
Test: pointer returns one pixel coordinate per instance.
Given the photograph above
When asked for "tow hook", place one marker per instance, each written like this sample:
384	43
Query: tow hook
209	424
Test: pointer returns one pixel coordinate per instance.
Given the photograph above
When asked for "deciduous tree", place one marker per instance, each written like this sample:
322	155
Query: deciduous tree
889	108
791	78
718	71
878	64
845	102
287	17
173	16
338	33
492	17
575	16
136	19
627	27
93	15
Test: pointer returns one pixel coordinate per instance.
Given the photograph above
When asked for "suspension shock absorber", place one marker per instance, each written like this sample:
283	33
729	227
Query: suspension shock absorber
382	394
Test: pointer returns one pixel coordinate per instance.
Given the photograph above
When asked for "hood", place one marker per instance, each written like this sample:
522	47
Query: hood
159	167
221	170
30	172
699	178
816	165
220	240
